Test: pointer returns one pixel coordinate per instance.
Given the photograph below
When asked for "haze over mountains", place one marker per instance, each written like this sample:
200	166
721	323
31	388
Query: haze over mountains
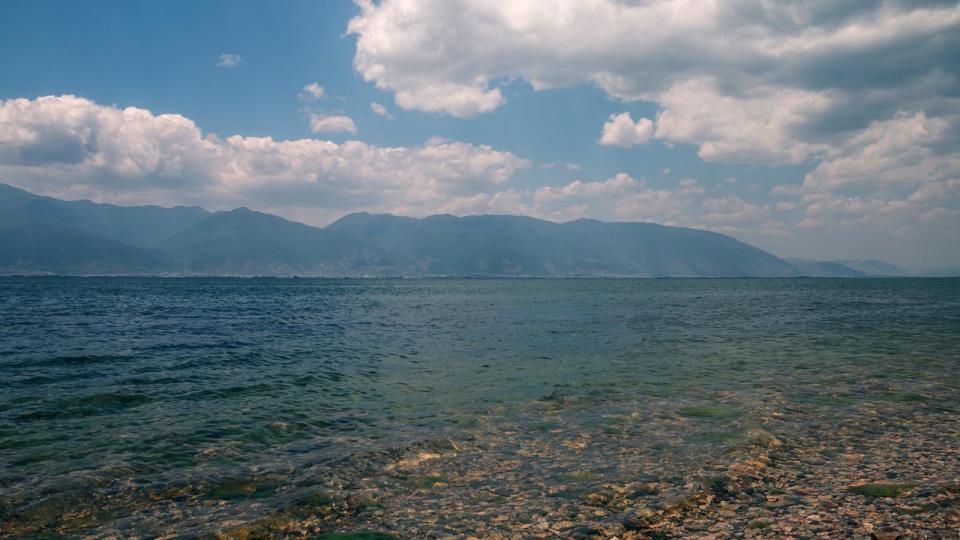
46	235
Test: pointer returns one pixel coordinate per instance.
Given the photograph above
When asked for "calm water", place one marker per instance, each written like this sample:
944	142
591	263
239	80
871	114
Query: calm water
116	391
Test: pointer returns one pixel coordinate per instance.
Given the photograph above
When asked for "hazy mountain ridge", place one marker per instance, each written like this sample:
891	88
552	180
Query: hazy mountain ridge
875	268
46	235
246	242
814	268
41	248
137	226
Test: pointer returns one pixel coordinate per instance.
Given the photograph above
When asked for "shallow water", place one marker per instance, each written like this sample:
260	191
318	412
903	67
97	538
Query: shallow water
141	406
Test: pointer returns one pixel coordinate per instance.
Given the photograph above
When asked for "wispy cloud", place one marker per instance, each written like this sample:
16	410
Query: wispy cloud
380	110
572	167
312	91
332	124
228	60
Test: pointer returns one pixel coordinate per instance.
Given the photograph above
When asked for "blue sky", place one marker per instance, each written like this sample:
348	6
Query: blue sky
780	136
160	56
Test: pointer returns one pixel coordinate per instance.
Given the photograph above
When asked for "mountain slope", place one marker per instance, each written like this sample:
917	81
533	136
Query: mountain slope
139	226
245	242
874	268
648	249
516	245
812	268
49	249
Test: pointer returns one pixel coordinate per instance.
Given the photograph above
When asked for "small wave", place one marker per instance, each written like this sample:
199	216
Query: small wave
89	405
78	360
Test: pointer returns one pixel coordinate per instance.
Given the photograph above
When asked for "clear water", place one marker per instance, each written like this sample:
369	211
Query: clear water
115	390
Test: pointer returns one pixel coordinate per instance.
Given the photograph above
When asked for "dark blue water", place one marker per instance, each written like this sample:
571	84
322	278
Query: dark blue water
116	391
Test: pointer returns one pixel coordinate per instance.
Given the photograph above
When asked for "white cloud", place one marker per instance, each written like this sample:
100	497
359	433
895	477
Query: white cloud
332	124
71	146
227	61
621	197
621	130
905	150
572	167
690	186
313	91
789	190
750	81
380	110
945	192
655	205
756	127
620	183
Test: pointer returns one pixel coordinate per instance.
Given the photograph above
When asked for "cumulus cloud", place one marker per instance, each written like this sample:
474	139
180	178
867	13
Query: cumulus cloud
380	110
578	189
892	185
332	124
906	150
945	191
620	130
312	91
71	146
620	198
747	82
759	126
227	61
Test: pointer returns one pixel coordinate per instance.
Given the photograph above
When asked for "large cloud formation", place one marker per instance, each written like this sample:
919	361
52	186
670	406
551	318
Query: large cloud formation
748	81
72	146
69	146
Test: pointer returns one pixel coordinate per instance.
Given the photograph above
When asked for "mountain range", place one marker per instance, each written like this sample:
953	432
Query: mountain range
50	236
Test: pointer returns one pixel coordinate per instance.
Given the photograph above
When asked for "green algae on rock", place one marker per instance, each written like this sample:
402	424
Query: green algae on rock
709	411
882	489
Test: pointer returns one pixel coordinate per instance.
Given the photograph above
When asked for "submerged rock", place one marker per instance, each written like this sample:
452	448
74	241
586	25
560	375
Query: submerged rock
881	489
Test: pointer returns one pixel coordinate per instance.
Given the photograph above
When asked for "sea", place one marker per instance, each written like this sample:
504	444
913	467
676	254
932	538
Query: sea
181	407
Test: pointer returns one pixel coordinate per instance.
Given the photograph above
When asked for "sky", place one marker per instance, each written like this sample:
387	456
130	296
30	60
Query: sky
814	129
